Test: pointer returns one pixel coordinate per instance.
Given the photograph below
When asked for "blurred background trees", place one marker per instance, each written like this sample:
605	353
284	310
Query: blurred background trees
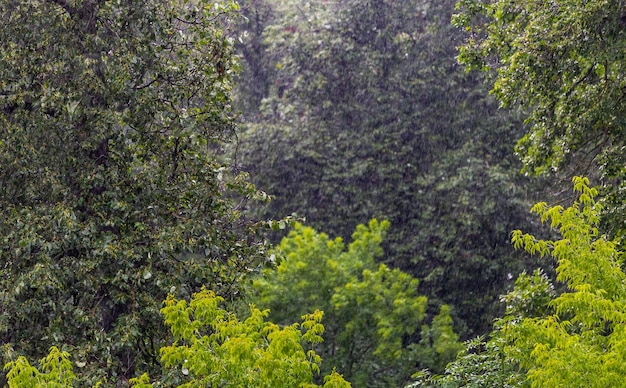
358	109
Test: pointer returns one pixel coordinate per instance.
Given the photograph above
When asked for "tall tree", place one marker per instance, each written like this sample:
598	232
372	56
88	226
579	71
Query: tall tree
367	114
372	313
564	63
110	192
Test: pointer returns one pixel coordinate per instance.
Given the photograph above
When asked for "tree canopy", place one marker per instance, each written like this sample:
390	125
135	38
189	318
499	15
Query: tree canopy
111	194
563	63
573	338
121	186
372	313
358	110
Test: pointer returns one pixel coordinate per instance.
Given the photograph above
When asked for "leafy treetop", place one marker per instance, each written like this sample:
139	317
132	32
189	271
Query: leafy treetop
563	62
575	338
111	193
372	312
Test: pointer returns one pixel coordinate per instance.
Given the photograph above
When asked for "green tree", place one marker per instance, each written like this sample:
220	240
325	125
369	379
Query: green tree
56	371
484	362
481	364
462	237
372	313
574	338
366	114
581	342
110	191
563	63
212	347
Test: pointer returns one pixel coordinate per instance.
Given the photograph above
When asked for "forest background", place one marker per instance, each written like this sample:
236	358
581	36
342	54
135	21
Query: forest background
352	116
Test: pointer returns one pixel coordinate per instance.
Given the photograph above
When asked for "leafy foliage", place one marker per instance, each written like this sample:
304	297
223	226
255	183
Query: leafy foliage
482	364
581	343
560	61
362	112
110	190
463	251
439	343
56	371
212	347
563	63
372	312
574	338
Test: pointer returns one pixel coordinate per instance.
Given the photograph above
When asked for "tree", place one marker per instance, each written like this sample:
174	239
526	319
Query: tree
212	347
57	371
481	364
111	194
563	64
372	312
366	114
581	342
484	362
572	338
462	239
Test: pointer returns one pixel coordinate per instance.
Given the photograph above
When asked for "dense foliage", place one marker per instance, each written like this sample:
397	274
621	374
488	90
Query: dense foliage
56	371
372	313
115	192
358	110
212	348
548	339
564	63
110	191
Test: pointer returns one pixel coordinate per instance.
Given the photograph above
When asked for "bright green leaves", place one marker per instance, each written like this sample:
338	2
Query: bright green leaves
213	347
583	256
372	312
384	303
439	343
56	371
314	329
546	339
581	343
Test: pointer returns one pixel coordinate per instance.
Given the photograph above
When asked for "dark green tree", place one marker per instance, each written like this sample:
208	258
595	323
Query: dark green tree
563	63
111	195
367	114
